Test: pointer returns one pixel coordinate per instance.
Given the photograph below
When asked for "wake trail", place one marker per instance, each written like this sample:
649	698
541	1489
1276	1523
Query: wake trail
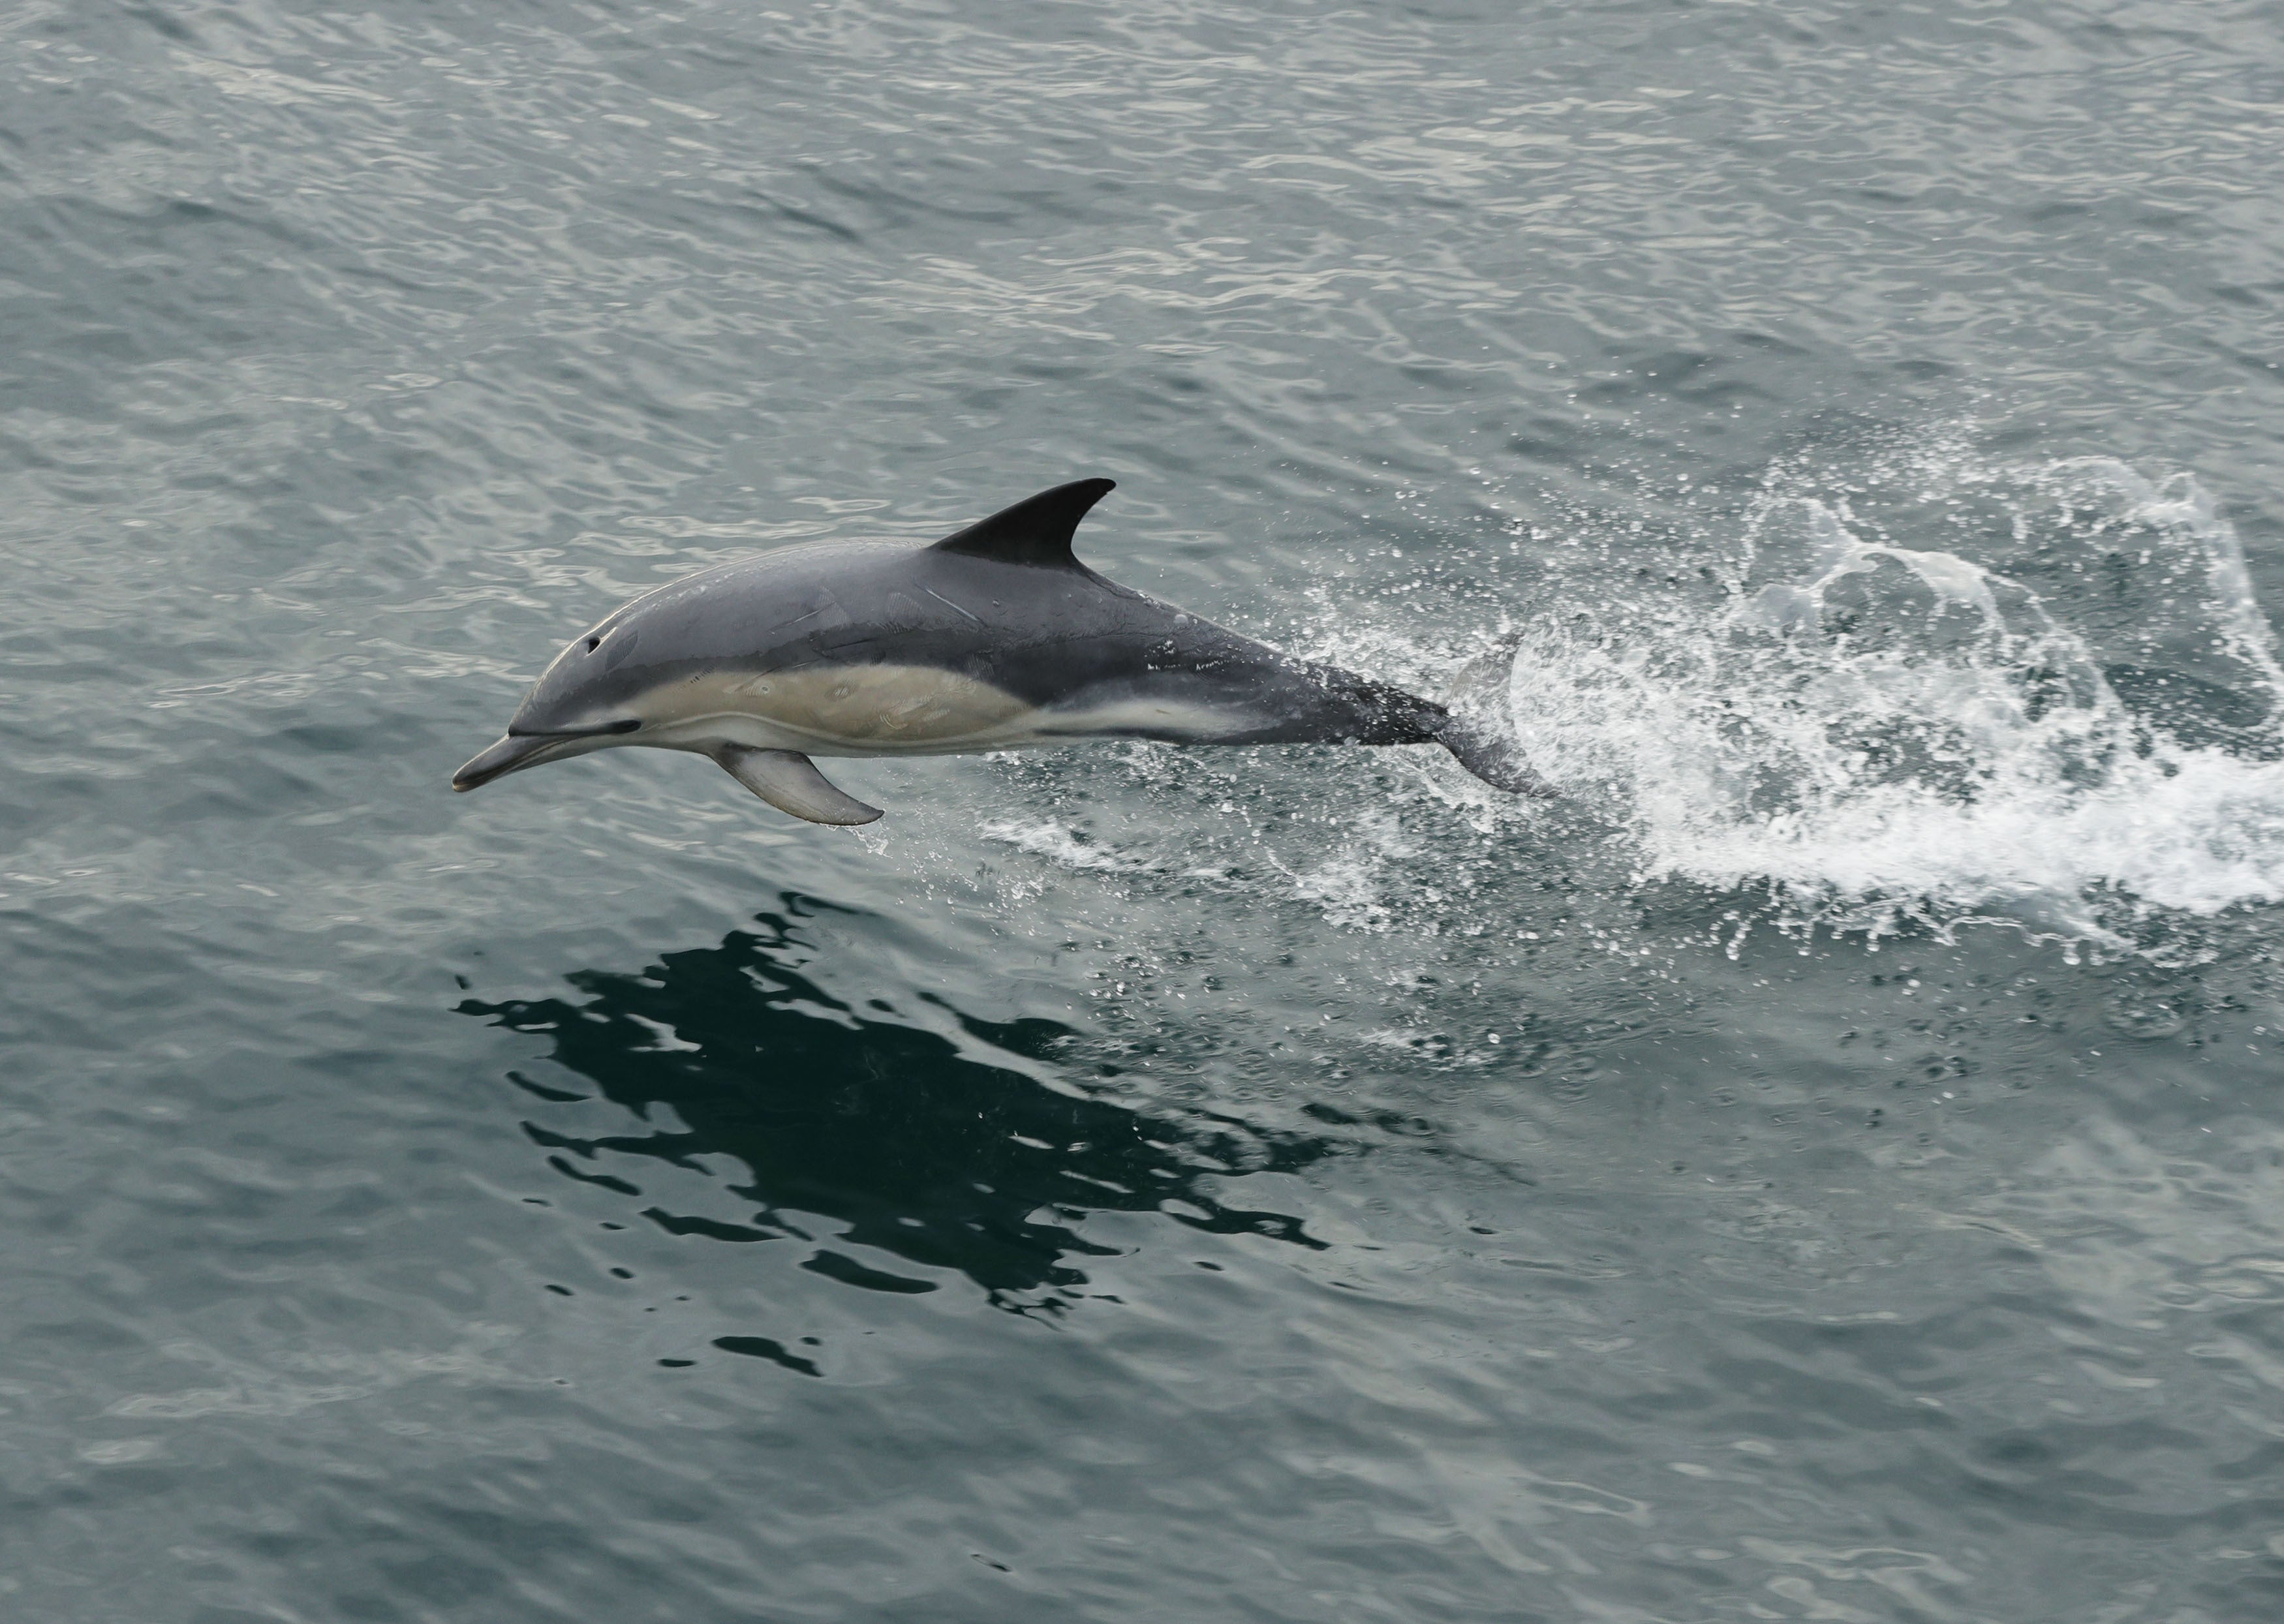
2052	700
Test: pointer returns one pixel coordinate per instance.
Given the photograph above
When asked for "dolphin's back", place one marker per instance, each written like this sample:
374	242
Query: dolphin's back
1084	656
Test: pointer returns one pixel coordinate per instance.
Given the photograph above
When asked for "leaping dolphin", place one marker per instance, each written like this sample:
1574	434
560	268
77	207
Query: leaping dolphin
994	637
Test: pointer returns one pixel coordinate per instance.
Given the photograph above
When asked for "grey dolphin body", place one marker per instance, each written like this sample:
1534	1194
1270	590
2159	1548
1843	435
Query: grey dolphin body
993	638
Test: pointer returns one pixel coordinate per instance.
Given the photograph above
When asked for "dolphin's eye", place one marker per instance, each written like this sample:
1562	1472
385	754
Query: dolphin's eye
592	643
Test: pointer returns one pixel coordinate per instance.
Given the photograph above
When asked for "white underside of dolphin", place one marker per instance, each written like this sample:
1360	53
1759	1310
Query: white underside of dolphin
995	638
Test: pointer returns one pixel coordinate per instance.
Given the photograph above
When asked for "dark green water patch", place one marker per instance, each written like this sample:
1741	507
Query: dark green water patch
920	1149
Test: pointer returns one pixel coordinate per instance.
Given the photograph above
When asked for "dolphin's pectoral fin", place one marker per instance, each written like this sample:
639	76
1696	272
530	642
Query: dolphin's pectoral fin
789	781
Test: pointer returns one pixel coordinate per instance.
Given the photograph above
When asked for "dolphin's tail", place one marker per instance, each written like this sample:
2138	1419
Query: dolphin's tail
1495	756
1478	724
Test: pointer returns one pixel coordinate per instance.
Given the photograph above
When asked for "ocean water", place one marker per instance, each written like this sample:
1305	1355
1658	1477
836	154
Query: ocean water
1827	1166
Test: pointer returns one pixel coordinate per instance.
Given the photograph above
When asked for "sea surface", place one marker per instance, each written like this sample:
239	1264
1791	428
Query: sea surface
1827	1166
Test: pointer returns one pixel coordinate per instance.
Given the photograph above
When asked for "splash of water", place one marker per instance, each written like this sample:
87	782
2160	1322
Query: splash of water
2075	730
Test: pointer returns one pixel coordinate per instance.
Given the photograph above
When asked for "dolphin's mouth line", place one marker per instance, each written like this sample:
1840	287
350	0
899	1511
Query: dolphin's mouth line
526	747
592	731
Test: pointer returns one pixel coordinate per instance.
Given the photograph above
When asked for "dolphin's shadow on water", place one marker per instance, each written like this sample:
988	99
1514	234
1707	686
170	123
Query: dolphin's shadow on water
920	1148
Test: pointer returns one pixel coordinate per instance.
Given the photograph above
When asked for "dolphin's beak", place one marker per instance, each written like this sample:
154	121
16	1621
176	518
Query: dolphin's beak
519	750
516	750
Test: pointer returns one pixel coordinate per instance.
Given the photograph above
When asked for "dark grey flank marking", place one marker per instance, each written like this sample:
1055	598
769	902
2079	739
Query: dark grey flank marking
1003	603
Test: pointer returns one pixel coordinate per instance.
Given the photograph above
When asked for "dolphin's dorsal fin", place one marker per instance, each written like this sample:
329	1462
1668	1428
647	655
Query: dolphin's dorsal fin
1038	530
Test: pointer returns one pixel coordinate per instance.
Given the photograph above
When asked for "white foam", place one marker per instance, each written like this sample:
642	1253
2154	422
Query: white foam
1873	733
1064	846
1346	883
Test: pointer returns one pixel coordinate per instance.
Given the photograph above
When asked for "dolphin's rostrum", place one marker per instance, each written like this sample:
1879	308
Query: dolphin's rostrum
993	638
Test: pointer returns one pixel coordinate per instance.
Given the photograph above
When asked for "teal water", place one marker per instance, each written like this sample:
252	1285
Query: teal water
1829	1167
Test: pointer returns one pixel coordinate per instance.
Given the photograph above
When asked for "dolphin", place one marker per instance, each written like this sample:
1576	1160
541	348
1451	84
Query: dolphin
993	638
